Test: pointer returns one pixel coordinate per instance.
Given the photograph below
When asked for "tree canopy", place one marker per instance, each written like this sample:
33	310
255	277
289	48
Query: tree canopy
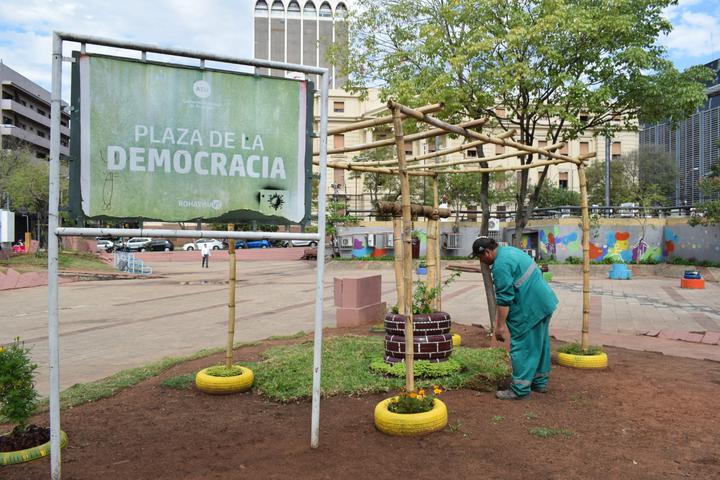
556	66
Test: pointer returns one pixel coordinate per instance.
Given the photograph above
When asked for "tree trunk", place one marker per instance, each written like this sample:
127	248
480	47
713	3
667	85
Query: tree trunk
484	230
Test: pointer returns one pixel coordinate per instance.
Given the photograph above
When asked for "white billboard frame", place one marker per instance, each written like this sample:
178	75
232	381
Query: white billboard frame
55	231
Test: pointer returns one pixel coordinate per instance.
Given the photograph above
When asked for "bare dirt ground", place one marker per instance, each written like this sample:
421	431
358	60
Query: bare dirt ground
648	416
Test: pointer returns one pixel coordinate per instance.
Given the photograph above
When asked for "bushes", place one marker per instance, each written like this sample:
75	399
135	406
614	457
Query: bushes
17	385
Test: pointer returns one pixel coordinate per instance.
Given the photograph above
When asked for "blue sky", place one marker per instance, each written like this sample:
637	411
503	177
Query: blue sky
225	27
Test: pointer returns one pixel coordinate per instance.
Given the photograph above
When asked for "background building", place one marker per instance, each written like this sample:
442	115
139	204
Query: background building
25	108
694	143
299	32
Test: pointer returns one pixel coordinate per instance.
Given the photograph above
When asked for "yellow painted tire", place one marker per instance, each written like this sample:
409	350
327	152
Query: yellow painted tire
20	456
456	340
224	385
582	361
410	424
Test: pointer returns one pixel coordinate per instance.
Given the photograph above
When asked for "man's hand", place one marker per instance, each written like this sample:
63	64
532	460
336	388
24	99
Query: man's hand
500	338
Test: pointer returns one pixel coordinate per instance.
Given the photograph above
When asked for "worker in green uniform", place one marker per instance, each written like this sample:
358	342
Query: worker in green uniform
525	303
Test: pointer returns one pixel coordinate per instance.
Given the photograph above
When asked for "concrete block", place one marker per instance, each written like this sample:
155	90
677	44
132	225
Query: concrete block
711	338
357	292
367	315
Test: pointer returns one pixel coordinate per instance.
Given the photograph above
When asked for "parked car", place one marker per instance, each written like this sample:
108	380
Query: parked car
105	245
162	244
214	244
138	244
300	243
264	243
18	247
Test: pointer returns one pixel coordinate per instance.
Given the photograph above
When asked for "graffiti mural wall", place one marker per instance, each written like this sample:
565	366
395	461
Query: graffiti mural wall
696	243
620	243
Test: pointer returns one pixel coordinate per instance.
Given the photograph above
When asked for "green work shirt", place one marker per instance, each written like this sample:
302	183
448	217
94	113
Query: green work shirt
519	284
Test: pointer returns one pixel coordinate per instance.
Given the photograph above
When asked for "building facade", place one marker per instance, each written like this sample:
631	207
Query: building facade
694	143
300	32
25	108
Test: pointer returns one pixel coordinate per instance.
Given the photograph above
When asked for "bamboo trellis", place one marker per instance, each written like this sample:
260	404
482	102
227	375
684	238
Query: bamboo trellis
402	226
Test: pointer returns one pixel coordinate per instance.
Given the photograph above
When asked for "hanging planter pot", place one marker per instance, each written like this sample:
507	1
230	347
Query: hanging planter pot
223	385
33	453
410	424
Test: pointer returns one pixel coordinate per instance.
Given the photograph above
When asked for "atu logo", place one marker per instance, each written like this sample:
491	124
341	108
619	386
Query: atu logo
201	89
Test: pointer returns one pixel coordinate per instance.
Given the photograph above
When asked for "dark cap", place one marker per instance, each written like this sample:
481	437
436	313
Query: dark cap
481	244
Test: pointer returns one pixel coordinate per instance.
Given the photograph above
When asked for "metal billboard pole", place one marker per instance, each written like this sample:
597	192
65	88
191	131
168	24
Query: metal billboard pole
322	200
54	230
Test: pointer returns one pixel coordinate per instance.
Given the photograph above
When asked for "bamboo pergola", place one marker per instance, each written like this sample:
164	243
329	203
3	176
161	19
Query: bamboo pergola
405	168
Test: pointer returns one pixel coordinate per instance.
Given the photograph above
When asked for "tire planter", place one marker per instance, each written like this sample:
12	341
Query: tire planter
692	283
224	385
410	424
456	340
599	360
432	339
20	456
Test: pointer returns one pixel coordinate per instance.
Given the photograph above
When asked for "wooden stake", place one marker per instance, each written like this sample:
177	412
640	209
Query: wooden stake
407	249
398	253
438	270
431	257
586	256
231	301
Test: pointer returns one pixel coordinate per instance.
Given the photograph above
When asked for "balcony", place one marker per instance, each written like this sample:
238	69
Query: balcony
20	109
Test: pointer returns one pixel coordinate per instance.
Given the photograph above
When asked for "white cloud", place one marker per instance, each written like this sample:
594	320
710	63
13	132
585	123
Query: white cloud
213	26
695	34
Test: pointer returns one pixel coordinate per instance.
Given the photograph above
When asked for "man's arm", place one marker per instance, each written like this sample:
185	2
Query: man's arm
501	334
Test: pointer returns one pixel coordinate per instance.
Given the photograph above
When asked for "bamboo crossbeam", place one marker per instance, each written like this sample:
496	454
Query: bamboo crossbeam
479	159
395	208
388	171
529	166
373	122
476	135
408	138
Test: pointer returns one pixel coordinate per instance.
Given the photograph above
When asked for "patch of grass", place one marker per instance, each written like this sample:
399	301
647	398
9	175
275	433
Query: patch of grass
454	427
293	336
67	260
530	415
285	374
497	418
223	371
180	382
575	349
422	368
547	432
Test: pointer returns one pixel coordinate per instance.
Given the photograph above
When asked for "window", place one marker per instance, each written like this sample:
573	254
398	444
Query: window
325	10
39	154
7	121
339	141
584	117
41	112
563	180
278	8
261	7
500	112
309	10
471	152
408	148
64	123
341	10
431	146
41	134
564	150
499	149
584	147
293	9
616	150
339	177
338	107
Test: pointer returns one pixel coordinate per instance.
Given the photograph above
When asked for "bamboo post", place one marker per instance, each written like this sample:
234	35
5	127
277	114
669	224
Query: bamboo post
438	270
398	253
431	255
586	256
407	249
231	301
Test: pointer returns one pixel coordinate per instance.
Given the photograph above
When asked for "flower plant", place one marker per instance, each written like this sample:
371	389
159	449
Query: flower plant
423	296
17	384
415	401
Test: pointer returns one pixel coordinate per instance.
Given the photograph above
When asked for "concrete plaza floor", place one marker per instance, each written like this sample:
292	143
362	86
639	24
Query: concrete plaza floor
106	326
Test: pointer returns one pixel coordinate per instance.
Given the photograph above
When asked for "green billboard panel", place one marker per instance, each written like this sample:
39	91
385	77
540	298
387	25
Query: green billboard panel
175	143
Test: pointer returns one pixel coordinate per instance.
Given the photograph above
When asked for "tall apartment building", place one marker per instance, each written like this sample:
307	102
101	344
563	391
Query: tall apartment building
299	32
25	109
694	142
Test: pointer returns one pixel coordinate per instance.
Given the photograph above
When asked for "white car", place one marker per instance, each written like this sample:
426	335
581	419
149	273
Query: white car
104	246
214	244
300	243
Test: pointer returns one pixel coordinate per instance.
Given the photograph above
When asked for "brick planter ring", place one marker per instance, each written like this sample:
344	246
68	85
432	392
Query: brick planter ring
432	339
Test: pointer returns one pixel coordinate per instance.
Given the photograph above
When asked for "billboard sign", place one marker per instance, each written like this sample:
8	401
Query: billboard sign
175	143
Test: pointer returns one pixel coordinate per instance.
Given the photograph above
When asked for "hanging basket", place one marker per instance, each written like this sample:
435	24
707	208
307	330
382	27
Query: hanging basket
410	424
20	456
224	385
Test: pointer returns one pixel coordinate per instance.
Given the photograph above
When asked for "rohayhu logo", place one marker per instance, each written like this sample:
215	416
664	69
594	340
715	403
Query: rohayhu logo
202	89
214	204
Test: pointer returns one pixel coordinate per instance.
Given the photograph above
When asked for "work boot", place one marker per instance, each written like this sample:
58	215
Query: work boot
539	389
508	395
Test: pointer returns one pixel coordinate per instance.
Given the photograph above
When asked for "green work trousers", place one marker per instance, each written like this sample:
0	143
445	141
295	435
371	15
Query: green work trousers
530	355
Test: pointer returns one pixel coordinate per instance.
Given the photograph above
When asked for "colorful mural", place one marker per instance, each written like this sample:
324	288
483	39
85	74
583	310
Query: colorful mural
552	243
617	246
